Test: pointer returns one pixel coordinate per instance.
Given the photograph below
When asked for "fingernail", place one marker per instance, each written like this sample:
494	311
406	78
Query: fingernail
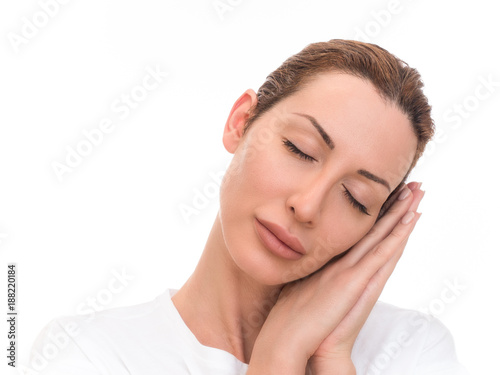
422	196
404	193
416	186
408	217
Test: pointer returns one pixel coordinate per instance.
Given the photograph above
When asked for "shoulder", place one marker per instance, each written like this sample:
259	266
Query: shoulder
108	323
394	339
87	344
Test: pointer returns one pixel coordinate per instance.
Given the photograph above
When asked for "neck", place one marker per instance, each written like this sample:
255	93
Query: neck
223	306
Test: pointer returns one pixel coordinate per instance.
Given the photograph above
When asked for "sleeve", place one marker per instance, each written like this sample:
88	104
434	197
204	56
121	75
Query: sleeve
55	351
438	356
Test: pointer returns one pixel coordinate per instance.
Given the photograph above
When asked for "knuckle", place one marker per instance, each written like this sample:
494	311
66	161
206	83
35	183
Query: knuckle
397	235
374	232
396	208
392	209
380	251
351	280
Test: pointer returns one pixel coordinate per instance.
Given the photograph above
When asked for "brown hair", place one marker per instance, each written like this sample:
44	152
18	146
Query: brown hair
392	77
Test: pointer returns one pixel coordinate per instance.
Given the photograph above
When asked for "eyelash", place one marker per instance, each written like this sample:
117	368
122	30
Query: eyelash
295	150
347	193
354	202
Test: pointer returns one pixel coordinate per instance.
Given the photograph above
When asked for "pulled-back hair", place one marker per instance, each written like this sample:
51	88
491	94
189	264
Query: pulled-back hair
395	81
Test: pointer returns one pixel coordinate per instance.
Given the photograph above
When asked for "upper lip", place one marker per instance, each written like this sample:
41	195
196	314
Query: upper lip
284	236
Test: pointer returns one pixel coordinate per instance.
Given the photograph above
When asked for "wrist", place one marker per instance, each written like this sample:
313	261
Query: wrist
275	360
336	366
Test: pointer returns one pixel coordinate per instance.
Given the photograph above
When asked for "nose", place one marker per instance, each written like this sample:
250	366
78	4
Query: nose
309	199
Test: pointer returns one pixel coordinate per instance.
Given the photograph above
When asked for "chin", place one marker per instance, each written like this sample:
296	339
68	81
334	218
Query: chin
266	269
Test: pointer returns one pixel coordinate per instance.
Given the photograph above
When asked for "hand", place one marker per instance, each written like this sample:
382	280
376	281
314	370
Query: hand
340	341
318	318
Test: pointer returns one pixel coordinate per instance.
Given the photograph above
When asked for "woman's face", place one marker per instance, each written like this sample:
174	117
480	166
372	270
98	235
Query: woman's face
319	164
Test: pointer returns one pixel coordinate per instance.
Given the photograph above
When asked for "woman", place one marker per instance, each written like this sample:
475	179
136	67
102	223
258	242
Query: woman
314	215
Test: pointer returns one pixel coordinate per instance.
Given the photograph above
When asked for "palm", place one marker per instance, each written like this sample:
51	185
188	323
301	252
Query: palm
342	338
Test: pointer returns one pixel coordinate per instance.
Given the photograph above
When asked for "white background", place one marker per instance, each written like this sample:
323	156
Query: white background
119	209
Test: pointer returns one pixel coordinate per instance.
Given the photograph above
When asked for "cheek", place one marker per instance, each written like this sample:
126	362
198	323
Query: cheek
338	235
258	174
247	181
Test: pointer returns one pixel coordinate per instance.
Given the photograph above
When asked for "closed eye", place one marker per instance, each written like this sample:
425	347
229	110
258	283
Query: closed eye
295	150
347	193
354	202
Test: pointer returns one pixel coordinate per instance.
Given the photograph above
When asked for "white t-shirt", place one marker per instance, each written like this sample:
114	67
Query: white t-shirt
151	338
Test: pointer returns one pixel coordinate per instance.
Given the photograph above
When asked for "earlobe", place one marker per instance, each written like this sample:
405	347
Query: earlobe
233	130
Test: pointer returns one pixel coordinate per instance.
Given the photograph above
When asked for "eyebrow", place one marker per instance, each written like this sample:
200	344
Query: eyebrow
320	129
331	146
372	177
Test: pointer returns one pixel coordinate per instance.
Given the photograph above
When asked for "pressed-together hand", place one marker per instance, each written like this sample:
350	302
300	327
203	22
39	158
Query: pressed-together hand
316	320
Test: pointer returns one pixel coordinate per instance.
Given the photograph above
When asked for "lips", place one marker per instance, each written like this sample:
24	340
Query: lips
284	236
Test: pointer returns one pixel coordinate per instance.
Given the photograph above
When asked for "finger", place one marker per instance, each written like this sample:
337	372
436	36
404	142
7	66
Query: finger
380	278
394	196
363	307
360	311
380	260
415	198
379	230
392	245
414	185
384	226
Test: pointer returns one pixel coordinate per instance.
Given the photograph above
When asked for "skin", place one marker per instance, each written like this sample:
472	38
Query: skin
261	307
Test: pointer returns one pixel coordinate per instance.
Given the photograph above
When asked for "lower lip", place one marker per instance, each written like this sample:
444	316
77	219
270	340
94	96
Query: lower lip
274	244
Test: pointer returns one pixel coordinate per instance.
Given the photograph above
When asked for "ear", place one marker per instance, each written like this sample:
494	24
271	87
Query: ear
233	130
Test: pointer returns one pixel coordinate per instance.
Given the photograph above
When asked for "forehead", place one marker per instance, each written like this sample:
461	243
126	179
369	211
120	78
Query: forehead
368	131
